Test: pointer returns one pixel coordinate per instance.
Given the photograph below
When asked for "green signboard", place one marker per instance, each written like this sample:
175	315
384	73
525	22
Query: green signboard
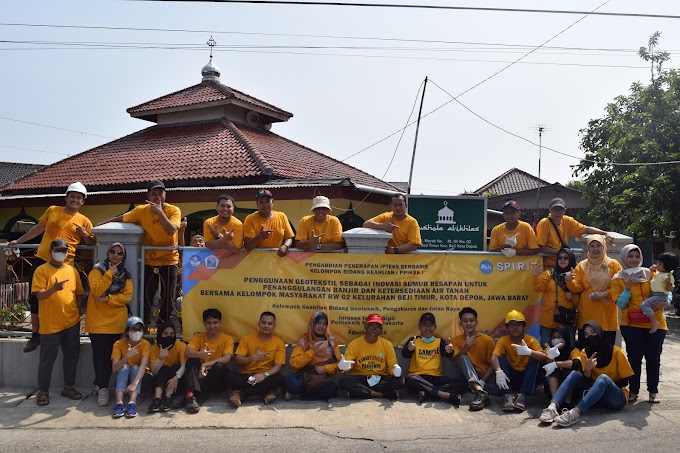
450	223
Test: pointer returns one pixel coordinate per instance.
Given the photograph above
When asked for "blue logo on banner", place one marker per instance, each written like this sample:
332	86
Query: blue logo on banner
195	261
486	267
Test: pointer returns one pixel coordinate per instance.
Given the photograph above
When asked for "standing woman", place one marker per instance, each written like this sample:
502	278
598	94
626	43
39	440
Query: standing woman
107	313
592	277
224	231
629	288
552	284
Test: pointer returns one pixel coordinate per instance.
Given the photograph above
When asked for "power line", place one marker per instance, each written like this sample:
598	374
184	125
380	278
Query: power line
54	127
34	150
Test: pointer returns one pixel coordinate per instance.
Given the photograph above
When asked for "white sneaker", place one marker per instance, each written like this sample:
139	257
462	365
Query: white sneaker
103	397
567	418
548	415
95	390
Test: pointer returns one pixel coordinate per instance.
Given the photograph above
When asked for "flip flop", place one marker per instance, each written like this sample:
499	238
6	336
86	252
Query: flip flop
632	397
654	398
71	393
42	399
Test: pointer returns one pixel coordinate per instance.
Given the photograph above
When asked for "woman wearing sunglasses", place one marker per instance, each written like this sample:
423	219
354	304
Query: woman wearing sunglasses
107	313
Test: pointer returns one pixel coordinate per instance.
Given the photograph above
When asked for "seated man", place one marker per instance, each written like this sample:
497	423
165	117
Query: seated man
404	228
473	358
261	357
377	373
320	231
425	370
513	237
209	353
515	360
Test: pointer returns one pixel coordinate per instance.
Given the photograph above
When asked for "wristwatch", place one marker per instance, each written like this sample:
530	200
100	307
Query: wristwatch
318	246
395	250
266	374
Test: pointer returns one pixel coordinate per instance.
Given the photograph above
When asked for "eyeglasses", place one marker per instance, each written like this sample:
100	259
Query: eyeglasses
116	252
562	257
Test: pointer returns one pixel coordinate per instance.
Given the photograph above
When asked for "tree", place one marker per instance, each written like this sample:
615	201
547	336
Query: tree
641	127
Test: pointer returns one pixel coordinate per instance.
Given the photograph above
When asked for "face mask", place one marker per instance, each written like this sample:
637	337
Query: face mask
135	336
593	341
167	341
556	341
60	257
427	339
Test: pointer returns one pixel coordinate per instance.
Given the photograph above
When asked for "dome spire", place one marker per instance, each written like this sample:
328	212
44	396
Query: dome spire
210	72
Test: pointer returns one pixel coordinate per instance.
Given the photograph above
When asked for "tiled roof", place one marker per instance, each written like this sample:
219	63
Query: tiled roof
191	154
204	92
513	180
10	171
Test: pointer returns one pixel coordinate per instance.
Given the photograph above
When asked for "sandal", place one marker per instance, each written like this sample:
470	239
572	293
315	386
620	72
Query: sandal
632	397
71	393
43	398
654	398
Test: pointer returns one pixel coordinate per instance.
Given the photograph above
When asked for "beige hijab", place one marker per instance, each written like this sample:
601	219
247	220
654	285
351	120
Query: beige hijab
597	269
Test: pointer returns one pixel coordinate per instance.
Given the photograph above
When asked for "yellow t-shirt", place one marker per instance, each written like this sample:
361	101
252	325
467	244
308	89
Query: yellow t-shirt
619	367
233	223
377	358
480	354
407	233
638	293
154	233
274	348
120	349
546	235
526	238
517	362
604	310
61	310
278	223
544	283
331	229
60	224
175	354
109	316
427	358
222	345
300	358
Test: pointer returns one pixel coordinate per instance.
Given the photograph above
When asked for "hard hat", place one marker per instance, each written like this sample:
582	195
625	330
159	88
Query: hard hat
514	315
77	187
133	321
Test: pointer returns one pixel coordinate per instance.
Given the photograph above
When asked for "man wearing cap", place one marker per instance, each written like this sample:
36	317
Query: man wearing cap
425	370
513	237
404	228
320	231
267	228
375	371
160	221
554	231
57	222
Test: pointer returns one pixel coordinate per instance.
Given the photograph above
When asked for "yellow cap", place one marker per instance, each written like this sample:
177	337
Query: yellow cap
514	315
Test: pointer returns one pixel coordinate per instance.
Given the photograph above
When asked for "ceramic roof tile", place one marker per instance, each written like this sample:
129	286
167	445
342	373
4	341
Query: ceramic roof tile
513	180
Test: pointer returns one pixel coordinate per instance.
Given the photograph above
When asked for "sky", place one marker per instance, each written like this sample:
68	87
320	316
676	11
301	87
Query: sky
350	76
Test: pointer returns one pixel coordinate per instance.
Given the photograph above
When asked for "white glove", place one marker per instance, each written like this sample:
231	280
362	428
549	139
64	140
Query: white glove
549	368
502	380
482	383
554	351
511	241
508	252
397	371
522	349
344	365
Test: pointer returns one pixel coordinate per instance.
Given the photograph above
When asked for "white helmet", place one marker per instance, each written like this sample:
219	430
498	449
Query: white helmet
77	187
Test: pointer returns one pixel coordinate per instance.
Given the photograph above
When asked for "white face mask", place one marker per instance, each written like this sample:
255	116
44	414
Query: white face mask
136	336
556	341
59	257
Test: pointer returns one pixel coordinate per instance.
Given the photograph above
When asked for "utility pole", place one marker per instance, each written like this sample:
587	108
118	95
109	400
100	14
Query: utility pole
540	128
415	141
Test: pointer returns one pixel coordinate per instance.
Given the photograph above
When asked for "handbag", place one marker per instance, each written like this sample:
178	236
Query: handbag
637	317
563	315
313	381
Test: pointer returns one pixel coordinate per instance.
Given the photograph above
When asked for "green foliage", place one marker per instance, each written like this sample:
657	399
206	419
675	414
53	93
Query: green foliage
576	184
643	126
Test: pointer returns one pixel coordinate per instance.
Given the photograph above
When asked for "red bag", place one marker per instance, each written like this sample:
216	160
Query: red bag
637	317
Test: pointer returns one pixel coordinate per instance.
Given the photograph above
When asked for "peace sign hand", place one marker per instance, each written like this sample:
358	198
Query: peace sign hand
412	344
591	362
164	352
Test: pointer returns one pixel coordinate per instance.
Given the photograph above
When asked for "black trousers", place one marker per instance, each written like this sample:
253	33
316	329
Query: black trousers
238	381
358	387
214	381
433	384
32	299
166	277
164	375
69	340
102	346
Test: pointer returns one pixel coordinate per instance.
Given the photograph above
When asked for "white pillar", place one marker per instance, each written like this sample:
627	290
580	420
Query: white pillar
366	240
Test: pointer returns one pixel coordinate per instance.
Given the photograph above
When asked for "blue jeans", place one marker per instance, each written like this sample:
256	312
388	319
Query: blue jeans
646	305
293	384
525	380
603	392
125	377
546	334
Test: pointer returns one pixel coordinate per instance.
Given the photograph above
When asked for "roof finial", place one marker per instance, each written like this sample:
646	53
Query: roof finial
210	71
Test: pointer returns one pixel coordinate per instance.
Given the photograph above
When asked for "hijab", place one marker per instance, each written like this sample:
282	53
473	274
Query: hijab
597	269
639	274
557	273
565	350
604	349
324	356
118	280
162	341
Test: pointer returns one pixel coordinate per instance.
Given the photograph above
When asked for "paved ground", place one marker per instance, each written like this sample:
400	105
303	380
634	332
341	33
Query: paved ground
343	424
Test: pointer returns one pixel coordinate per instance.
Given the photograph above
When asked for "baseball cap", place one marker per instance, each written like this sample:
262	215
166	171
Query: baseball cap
321	202
133	321
374	317
155	185
557	202
511	204
263	193
427	317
